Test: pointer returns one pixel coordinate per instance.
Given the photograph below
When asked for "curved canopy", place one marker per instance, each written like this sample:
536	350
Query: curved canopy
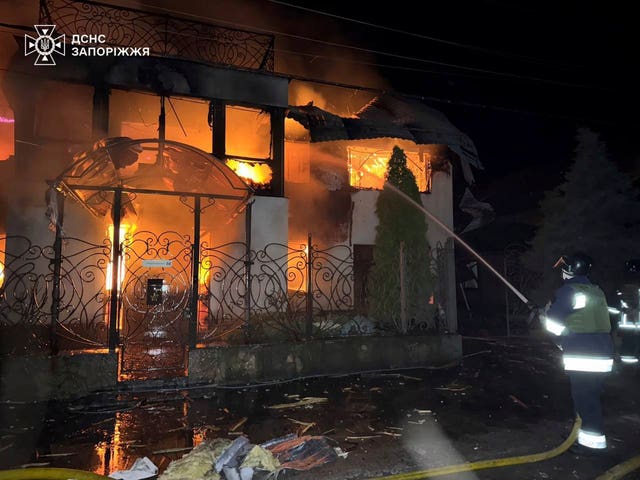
149	166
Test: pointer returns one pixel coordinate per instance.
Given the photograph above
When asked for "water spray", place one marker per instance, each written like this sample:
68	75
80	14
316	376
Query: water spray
518	293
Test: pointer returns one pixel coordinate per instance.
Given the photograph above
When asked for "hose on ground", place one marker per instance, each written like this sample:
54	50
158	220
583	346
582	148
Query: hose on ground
621	469
49	474
482	464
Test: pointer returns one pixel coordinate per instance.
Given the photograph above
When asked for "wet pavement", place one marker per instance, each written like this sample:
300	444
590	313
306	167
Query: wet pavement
509	397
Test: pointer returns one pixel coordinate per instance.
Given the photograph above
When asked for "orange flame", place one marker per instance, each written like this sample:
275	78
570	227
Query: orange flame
368	167
125	229
258	173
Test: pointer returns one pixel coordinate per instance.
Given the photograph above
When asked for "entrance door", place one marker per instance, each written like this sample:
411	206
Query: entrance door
155	294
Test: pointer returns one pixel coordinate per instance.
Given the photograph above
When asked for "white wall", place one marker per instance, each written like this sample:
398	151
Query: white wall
439	203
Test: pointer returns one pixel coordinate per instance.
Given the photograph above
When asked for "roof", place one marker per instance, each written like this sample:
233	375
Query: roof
394	116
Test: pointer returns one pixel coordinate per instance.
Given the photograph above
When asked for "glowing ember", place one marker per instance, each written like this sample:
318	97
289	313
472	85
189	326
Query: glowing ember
256	173
1	274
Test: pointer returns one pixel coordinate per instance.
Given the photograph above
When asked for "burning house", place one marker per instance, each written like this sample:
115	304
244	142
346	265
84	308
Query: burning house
231	211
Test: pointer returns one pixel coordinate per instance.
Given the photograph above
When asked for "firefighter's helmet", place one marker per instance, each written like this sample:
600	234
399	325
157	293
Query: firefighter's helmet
577	263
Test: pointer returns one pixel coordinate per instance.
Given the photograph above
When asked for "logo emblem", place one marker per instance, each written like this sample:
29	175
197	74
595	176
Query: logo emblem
45	45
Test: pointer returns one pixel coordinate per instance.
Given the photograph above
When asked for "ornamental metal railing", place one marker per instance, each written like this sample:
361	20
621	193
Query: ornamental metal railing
60	297
163	35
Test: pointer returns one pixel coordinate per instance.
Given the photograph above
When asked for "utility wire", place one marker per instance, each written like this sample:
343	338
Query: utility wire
346	46
421	36
424	70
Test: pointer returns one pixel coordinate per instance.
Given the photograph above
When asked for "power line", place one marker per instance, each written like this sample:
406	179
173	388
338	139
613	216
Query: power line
418	35
360	49
422	70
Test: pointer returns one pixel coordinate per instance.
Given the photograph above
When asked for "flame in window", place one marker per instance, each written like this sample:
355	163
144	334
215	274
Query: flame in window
257	174
368	167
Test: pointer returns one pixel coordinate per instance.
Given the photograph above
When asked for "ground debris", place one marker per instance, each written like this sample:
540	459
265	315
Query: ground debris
360	438
199	463
36	464
304	425
55	455
301	403
517	401
390	434
171	450
453	387
240	423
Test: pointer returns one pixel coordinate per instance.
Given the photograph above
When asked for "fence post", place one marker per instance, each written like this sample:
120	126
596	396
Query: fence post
506	294
403	293
115	271
57	268
309	303
195	274
247	272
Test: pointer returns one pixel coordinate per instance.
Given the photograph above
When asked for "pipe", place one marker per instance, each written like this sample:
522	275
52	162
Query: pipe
49	474
482	464
519	294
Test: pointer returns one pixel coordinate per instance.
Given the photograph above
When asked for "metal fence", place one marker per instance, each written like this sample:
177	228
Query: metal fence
62	297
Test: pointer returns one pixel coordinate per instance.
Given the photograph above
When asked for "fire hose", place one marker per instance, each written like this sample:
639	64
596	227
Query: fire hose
467	247
615	473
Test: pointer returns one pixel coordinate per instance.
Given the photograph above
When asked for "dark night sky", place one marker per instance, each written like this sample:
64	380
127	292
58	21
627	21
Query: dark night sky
580	54
534	72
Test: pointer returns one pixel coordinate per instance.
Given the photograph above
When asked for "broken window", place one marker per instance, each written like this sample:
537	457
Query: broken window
136	115
248	144
368	166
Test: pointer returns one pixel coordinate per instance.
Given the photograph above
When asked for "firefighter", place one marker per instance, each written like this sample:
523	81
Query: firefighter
629	314
579	317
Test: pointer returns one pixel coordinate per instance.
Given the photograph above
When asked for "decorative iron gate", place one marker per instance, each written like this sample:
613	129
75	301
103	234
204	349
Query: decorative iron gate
155	296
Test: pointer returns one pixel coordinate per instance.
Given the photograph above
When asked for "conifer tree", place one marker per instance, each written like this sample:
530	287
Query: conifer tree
595	210
399	221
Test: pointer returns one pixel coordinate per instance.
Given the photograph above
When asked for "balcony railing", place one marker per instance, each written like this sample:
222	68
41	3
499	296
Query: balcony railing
164	35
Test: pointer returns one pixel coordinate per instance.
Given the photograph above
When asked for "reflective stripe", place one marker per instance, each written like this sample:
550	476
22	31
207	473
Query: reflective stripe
579	301
627	359
554	327
578	363
592	440
629	326
613	310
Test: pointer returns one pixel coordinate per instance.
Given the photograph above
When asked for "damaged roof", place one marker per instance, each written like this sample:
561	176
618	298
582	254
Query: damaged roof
393	116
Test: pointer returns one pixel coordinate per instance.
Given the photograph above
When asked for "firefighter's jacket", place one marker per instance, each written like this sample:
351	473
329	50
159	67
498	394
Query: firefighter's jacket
579	316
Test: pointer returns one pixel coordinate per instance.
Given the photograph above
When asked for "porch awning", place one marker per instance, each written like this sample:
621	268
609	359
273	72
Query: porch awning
150	166
393	116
